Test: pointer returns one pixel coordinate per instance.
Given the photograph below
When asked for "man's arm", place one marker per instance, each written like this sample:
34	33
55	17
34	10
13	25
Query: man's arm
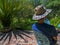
54	33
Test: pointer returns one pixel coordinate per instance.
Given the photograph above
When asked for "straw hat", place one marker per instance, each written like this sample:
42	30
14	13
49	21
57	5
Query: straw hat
40	12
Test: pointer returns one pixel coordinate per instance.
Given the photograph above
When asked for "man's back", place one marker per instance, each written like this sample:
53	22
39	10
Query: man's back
48	30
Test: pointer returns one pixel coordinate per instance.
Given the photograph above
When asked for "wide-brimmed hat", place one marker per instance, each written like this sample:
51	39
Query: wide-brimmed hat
42	12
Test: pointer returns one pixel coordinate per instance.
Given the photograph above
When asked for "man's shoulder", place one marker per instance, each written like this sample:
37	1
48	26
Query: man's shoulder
33	24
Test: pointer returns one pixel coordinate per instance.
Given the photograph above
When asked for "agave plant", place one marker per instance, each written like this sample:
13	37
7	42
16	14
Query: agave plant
11	14
7	13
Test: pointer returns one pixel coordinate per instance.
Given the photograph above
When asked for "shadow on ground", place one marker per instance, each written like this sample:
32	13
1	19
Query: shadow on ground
18	32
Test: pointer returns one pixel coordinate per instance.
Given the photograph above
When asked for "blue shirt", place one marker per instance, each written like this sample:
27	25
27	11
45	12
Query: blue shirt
35	28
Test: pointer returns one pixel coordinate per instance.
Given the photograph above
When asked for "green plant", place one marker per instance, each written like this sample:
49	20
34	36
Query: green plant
7	11
55	21
13	16
13	12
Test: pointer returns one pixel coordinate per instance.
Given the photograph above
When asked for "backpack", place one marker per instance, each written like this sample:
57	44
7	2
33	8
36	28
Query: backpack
49	31
40	37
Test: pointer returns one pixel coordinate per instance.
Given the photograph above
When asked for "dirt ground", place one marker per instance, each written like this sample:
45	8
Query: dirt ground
19	41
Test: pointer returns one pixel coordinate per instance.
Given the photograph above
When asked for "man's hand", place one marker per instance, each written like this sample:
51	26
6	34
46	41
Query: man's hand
55	37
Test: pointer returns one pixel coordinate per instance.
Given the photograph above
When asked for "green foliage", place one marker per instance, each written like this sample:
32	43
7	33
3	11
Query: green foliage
34	2
18	13
55	5
55	21
7	11
15	13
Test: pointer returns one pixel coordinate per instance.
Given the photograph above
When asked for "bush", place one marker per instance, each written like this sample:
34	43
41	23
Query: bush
55	21
15	13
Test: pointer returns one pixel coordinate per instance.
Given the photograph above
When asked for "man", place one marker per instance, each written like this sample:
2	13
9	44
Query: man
48	30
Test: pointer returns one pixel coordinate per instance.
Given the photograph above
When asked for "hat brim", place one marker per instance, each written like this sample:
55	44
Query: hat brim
38	17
